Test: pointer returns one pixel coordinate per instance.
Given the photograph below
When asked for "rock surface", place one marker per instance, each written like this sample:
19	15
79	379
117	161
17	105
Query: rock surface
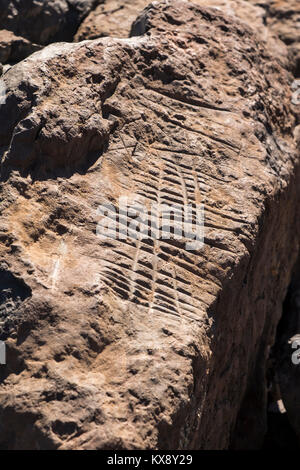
110	18
34	22
43	22
14	48
115	344
283	18
280	18
38	22
115	17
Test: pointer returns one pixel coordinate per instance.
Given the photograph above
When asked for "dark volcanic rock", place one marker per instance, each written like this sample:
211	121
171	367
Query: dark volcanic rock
27	25
44	22
32	22
14	48
115	344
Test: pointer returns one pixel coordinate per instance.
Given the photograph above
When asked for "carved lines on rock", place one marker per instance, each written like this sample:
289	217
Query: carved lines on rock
159	274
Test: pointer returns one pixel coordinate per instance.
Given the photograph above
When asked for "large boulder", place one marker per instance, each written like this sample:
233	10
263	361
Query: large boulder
145	343
110	18
115	17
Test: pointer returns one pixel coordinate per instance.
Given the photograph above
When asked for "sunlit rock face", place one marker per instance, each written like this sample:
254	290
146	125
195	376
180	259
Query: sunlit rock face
125	342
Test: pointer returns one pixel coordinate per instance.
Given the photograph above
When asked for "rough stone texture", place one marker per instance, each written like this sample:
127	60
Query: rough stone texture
283	18
43	22
62	20
14	48
255	16
124	344
110	18
115	18
38	22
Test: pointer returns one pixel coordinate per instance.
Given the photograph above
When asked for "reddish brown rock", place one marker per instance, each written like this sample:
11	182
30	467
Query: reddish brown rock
14	48
115	17
283	18
110	18
115	344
